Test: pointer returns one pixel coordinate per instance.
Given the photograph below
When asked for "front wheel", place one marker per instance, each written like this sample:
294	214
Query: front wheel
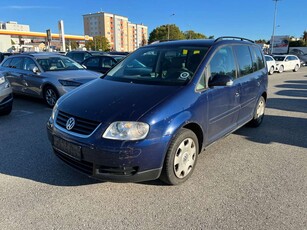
281	69
50	96
259	113
181	158
296	68
271	70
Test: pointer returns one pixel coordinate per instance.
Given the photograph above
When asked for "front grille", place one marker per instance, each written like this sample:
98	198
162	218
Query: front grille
83	166
82	126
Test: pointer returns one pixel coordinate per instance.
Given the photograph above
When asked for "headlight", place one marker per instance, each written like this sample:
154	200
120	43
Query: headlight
2	80
126	130
69	83
54	110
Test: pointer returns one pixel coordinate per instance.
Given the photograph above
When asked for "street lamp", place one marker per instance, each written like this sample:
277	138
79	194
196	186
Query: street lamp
274	25
168	27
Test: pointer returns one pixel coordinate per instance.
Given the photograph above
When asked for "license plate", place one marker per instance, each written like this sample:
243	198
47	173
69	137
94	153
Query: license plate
67	148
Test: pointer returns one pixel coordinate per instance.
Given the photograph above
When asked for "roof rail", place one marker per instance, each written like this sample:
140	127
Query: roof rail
166	40
230	37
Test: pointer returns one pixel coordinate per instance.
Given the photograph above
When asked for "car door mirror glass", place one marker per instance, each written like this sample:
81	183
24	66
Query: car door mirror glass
35	69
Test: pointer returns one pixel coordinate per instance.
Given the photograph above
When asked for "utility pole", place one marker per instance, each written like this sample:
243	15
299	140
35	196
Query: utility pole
274	26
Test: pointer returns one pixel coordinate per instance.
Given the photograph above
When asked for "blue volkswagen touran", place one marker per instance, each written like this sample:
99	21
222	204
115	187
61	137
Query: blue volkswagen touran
154	112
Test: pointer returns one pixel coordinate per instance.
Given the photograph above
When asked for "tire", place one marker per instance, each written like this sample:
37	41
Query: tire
296	68
271	70
281	69
181	158
50	96
259	113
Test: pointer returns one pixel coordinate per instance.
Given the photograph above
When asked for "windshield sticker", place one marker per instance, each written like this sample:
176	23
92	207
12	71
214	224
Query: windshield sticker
184	76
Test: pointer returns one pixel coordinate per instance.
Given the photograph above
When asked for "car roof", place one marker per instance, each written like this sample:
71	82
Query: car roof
37	55
204	42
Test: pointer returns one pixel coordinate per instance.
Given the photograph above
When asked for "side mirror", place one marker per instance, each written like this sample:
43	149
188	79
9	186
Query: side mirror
35	69
220	80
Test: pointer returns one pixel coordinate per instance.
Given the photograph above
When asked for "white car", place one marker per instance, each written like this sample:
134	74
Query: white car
271	64
287	62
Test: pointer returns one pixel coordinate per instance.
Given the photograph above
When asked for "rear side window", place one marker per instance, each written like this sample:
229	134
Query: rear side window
7	62
258	61
244	60
16	63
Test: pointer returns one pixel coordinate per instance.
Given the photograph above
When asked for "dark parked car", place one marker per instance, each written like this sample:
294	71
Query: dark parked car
44	75
102	63
118	53
6	96
301	55
80	56
152	114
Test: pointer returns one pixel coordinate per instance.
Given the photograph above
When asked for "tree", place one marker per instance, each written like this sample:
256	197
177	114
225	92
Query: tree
298	43
74	45
305	36
261	41
190	34
98	43
163	32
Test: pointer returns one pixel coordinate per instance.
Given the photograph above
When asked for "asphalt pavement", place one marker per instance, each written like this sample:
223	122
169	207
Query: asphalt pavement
252	179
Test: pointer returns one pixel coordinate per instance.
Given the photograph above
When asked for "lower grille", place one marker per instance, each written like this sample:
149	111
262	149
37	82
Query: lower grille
83	166
123	171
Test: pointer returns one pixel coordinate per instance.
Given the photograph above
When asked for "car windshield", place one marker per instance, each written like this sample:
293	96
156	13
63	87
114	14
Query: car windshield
159	65
279	58
58	63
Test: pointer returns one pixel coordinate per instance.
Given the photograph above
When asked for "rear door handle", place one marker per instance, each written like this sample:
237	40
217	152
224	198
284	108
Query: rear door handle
237	94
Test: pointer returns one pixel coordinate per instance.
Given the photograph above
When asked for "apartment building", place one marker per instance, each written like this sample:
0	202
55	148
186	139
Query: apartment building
122	34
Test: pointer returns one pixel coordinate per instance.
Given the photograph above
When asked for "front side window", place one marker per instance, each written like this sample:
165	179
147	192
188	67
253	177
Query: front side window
28	64
244	59
222	63
159	65
58	64
92	62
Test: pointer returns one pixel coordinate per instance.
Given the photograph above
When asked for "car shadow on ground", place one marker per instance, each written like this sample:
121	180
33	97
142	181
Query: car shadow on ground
278	129
283	129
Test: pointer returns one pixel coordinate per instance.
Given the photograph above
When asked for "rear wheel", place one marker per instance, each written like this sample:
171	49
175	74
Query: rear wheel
259	113
296	68
51	96
271	70
281	69
181	158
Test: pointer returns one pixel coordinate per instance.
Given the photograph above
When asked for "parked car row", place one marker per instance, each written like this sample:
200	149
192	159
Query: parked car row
281	63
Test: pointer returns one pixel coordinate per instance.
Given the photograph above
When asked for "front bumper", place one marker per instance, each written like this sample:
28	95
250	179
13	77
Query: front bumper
111	160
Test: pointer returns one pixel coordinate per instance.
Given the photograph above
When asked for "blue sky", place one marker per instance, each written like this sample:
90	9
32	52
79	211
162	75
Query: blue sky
251	19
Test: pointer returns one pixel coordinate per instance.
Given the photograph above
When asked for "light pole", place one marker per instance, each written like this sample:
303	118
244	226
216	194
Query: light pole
168	27
274	25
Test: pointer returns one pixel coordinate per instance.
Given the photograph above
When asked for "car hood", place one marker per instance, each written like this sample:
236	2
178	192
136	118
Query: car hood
107	101
81	76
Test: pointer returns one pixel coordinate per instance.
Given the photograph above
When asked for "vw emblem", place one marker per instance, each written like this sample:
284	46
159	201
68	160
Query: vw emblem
70	123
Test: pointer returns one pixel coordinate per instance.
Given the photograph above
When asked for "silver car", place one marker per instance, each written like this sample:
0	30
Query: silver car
6	96
44	75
